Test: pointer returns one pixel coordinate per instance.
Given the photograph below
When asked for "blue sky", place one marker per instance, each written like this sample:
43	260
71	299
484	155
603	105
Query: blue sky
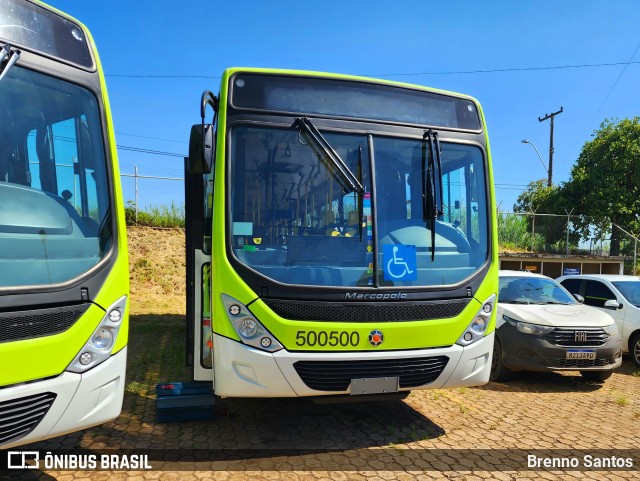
520	43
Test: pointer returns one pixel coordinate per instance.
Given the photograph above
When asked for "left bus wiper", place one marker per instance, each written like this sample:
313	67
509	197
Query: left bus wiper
431	171
327	155
361	193
13	54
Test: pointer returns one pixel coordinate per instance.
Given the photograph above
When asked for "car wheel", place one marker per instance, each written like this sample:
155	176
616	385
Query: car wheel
634	349
499	372
596	376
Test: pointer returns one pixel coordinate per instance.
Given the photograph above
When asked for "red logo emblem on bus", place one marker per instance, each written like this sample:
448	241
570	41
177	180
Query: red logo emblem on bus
376	338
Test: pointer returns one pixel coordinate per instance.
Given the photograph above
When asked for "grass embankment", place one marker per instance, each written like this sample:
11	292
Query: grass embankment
157	327
155	215
157	270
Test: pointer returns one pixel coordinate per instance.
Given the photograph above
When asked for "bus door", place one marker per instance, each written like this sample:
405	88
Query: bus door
199	176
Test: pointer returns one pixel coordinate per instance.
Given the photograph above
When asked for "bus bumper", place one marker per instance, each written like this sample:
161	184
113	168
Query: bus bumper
81	400
242	371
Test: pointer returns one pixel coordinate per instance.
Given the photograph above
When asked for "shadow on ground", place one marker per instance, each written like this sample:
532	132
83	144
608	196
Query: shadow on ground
156	353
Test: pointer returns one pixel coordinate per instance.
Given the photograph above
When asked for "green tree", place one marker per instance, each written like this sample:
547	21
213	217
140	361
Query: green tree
538	197
604	181
550	231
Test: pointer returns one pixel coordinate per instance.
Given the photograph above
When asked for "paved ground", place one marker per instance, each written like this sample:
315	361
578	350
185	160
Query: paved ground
430	435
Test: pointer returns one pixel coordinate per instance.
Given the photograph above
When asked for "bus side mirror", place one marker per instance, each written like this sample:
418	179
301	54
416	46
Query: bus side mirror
578	298
201	149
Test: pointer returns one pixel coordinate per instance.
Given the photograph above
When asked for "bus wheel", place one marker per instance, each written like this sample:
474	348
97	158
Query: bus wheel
634	349
499	372
596	376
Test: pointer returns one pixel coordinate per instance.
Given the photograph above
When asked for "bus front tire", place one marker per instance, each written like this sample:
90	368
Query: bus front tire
499	372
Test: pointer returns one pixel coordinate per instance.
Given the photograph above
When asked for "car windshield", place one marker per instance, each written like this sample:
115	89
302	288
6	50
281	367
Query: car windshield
54	196
532	290
630	290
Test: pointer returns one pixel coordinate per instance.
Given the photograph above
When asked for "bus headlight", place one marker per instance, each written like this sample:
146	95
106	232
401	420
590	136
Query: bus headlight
102	338
477	327
98	347
250	330
247	328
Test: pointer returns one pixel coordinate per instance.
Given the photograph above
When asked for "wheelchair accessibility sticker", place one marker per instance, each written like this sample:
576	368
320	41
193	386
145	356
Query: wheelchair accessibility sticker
399	262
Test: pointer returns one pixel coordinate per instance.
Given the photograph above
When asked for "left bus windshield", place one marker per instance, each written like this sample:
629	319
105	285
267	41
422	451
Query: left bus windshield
54	195
293	222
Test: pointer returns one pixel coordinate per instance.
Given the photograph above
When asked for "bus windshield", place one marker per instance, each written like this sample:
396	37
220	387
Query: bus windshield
55	221
293	221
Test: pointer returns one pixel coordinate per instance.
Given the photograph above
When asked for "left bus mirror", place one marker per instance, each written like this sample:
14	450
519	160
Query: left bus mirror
201	149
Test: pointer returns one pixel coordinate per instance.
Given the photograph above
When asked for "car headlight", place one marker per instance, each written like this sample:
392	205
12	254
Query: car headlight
475	330
250	330
611	329
527	327
98	348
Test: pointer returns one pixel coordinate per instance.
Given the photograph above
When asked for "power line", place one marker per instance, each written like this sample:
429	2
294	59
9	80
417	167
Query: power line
148	151
151	138
618	79
402	74
163	76
626	64
511	69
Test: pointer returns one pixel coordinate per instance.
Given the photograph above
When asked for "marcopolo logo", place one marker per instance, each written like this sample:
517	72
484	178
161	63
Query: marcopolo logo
378	296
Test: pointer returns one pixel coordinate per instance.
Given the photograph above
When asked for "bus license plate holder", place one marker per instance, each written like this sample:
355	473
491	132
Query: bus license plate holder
374	385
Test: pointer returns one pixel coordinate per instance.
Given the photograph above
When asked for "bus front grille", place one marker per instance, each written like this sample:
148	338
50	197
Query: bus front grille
18	417
367	312
337	375
15	326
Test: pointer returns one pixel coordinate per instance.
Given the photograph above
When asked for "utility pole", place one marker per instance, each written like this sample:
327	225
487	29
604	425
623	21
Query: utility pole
550	116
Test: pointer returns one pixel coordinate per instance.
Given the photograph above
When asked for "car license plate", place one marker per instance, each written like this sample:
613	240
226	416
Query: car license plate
581	354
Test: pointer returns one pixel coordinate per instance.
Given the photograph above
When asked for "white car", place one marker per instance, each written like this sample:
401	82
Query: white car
541	327
618	296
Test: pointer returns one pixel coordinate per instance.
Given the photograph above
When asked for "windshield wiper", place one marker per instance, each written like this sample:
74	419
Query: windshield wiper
328	156
13	54
361	193
431	191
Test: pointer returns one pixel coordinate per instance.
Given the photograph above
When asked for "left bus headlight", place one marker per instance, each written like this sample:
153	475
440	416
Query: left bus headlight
250	330
476	329
98	347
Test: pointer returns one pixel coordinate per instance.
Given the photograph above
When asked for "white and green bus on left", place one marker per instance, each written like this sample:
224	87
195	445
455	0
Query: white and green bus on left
63	255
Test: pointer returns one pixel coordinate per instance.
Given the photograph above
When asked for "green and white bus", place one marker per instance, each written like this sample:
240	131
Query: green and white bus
63	254
341	238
